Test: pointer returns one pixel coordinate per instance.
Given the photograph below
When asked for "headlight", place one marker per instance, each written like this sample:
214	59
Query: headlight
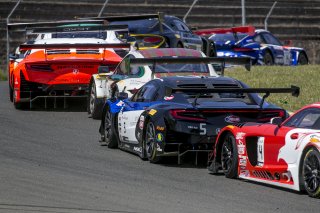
177	35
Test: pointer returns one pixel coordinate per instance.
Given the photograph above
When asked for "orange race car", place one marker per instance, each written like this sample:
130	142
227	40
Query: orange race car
59	70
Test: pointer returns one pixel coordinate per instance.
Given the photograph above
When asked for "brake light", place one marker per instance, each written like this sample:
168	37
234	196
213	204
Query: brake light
242	49
191	115
152	40
39	67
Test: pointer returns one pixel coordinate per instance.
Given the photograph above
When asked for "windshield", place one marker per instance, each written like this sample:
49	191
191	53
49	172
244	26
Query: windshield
140	26
178	68
101	35
227	37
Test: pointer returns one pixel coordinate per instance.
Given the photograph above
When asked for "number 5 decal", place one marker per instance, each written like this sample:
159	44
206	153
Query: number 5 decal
203	130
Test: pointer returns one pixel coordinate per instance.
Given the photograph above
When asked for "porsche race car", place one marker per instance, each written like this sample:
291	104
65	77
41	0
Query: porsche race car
260	45
284	154
174	116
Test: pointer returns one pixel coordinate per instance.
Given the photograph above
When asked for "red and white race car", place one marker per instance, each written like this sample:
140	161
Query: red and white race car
282	154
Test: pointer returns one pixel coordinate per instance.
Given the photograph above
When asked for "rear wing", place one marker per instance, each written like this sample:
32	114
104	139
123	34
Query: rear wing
243	29
22	27
294	90
69	29
246	62
76	46
107	19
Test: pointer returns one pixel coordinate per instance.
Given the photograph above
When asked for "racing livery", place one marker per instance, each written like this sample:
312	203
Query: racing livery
260	45
130	74
280	154
174	116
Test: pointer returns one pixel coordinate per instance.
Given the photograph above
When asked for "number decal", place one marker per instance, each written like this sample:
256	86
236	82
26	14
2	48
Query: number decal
260	151
203	130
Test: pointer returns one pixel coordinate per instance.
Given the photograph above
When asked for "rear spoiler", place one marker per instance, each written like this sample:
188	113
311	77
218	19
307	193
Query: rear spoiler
294	90
67	29
21	27
159	16
77	46
243	29
193	60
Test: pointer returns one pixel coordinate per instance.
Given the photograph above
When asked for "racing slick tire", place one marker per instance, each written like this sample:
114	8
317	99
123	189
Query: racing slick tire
150	144
110	136
11	93
19	105
229	156
310	174
302	60
268	59
95	104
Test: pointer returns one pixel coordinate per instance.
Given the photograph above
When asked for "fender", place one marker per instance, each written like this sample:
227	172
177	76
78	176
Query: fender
100	81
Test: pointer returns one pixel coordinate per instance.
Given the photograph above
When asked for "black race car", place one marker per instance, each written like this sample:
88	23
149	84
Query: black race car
176	115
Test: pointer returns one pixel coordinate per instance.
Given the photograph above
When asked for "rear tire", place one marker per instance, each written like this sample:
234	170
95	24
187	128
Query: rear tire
302	60
268	59
150	144
11	93
95	104
110	136
310	174
229	156
19	105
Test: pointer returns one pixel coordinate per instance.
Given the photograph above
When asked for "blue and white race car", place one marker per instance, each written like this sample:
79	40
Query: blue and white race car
260	45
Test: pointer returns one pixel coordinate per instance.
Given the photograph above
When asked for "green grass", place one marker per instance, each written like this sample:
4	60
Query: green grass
305	77
3	76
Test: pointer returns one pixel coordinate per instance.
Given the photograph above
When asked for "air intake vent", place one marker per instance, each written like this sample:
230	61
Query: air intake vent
88	52
263	174
226	86
195	86
53	52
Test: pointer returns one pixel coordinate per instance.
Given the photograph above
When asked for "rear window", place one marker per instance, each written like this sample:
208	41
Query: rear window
100	35
180	68
227	37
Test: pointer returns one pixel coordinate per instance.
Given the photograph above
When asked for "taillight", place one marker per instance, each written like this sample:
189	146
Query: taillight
191	115
242	49
39	67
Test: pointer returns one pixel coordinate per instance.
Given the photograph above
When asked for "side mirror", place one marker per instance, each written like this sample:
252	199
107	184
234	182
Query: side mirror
13	56
103	69
276	121
122	95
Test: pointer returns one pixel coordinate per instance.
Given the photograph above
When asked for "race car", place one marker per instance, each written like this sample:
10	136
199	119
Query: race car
59	69
176	33
129	78
284	154
260	45
173	116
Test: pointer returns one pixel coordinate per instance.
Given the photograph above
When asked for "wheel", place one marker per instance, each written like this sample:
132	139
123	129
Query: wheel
94	104
11	93
19	105
267	59
110	136
179	45
302	60
311	173
229	156
150	145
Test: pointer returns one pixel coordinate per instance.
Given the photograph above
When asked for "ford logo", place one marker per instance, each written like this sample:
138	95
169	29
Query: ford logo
232	119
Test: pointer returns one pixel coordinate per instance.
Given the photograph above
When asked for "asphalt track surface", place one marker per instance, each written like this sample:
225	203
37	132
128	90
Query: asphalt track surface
50	161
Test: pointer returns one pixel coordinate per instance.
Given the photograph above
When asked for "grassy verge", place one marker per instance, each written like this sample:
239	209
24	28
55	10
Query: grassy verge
305	77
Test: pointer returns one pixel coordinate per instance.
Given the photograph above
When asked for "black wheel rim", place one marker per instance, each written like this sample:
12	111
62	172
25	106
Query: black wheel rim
107	127
268	59
227	153
150	137
92	98
302	60
311	172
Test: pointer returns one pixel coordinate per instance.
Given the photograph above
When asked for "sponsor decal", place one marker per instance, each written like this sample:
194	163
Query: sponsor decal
168	98
218	130
152	112
241	149
232	119
314	139
75	71
159	137
244	173
243	161
160	128
260	151
240	135
137	149
192	127
141	122
120	103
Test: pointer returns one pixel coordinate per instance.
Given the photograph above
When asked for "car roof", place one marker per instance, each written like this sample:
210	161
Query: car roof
160	52
70	41
198	82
